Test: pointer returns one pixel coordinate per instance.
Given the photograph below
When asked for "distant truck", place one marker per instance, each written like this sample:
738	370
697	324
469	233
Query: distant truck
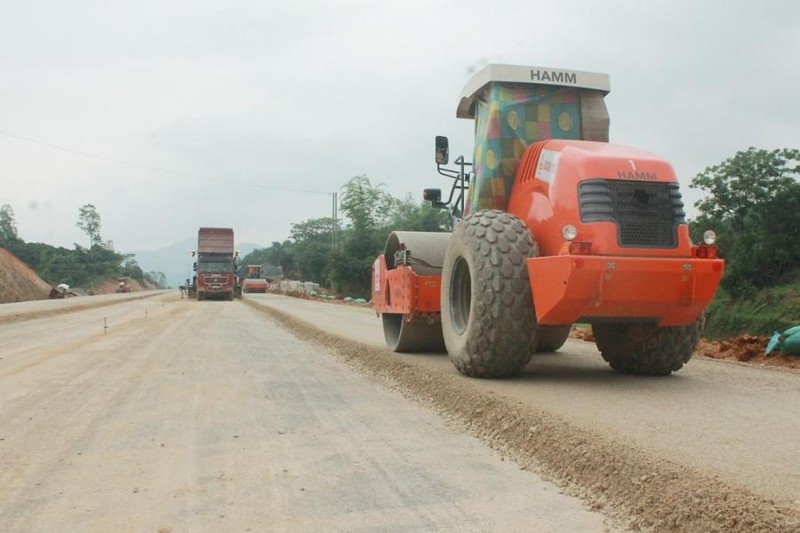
215	268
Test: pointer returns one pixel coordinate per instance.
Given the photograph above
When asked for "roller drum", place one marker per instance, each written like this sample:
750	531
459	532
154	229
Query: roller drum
426	255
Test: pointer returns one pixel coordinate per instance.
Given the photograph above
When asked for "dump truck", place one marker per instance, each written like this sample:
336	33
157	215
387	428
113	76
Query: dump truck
215	268
553	226
254	280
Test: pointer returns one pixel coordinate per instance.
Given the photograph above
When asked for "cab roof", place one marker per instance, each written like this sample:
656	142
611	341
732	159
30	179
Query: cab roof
495	73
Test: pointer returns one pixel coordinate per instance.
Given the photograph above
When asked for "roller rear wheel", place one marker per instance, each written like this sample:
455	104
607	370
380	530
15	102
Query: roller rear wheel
487	310
646	349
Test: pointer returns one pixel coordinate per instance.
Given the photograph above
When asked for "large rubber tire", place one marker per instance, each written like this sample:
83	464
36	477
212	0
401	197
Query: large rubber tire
551	338
488	321
646	349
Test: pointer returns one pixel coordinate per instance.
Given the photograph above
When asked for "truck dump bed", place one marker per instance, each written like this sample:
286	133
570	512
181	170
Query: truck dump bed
215	241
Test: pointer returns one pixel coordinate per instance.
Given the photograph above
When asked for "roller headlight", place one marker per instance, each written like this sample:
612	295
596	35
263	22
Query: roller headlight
569	232
709	237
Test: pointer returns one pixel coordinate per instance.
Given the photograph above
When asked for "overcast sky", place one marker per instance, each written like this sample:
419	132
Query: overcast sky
173	114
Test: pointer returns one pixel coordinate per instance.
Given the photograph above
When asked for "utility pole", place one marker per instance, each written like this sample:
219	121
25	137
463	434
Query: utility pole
334	219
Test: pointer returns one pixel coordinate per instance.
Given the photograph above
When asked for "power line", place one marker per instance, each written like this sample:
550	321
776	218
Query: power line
151	168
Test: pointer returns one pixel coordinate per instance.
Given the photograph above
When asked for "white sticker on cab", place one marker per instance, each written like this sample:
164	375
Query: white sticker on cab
548	165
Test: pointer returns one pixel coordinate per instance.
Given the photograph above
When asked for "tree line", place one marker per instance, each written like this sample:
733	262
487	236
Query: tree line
80	266
752	201
339	255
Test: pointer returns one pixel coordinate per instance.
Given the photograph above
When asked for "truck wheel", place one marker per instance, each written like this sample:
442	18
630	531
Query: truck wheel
551	338
646	349
487	310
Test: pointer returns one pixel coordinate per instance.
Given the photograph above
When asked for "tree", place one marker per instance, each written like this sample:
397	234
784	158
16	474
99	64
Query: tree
318	229
89	222
97	264
753	202
368	209
371	213
276	255
8	225
280	255
408	215
312	247
363	202
131	268
748	181
81	267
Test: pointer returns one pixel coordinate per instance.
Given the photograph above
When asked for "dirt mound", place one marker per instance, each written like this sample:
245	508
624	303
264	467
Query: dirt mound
746	348
743	348
18	281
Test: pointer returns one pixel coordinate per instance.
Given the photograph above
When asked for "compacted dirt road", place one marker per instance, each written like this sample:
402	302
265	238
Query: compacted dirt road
166	415
710	448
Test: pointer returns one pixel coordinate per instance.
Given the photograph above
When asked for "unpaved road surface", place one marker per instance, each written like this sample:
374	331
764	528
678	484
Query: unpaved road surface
169	415
712	447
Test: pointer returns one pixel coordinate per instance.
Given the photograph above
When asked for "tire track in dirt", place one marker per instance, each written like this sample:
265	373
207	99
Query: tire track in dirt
646	492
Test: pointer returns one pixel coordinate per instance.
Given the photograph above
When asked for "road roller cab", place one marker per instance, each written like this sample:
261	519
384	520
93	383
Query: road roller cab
553	225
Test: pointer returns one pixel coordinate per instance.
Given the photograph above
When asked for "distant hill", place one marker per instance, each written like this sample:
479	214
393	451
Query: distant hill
174	260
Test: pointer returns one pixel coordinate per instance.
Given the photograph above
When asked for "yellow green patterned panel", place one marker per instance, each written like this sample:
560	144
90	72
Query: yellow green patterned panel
510	117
